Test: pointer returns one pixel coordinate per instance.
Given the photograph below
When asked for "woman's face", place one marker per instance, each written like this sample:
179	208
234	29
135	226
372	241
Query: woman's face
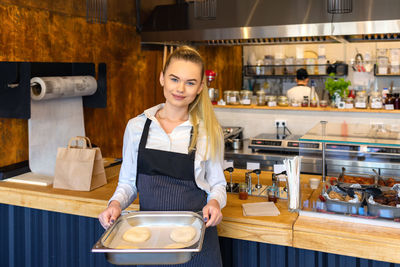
181	82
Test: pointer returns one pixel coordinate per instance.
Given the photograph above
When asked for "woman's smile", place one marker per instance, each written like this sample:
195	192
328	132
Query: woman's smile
182	82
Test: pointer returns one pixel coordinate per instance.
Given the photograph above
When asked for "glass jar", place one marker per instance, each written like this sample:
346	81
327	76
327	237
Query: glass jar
227	95
323	103
260	67
361	100
270	100
349	102
279	66
396	101
245	97
289	62
268	64
272	194
260	97
375	100
383	65
313	103
294	103
310	62
305	102
283	101
243	195
234	98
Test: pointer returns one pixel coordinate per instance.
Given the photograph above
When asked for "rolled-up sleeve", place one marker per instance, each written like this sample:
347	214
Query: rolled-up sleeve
216	179
126	191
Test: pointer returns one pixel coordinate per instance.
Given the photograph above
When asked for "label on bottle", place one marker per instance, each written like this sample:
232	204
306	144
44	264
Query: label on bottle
361	105
389	106
271	103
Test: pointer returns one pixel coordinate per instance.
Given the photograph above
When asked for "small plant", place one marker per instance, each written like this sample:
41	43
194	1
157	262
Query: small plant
337	86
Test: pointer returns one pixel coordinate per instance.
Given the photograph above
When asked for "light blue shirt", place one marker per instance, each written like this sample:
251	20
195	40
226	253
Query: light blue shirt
209	175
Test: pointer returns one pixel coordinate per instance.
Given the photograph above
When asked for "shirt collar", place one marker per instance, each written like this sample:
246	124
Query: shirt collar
151	114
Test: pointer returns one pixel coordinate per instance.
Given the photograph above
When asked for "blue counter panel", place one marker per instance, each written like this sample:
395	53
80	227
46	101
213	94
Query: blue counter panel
31	237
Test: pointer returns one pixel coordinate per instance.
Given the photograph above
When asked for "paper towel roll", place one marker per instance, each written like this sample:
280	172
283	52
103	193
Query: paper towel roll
54	122
43	88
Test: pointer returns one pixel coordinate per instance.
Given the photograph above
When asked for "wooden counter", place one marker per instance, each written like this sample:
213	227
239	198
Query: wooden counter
288	229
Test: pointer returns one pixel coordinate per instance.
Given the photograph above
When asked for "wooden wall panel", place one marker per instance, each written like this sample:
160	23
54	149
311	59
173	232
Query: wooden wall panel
50	31
226	61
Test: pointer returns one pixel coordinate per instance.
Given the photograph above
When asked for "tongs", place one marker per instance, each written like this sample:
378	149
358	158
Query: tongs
341	176
378	178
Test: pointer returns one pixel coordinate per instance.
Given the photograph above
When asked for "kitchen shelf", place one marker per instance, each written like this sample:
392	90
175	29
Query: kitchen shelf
258	71
385	75
327	109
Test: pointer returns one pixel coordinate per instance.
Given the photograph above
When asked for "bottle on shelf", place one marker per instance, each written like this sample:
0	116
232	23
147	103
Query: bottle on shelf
396	101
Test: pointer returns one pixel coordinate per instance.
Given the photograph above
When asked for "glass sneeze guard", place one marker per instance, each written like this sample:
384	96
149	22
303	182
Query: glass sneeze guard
361	134
360	171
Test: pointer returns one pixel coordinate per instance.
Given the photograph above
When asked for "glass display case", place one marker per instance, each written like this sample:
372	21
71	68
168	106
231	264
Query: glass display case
362	177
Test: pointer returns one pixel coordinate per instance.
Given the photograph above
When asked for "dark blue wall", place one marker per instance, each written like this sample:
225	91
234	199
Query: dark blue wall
31	237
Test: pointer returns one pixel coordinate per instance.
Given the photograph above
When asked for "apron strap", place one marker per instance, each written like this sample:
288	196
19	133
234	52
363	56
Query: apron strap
145	133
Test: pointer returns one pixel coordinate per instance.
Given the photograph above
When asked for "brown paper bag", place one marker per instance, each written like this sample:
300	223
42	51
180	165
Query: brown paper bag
79	167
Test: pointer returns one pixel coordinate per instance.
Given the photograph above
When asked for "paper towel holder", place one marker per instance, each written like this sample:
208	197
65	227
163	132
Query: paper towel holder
15	84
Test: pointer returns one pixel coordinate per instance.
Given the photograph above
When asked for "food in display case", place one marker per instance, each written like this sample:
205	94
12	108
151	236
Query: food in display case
367	152
388	182
385	205
343	200
350	179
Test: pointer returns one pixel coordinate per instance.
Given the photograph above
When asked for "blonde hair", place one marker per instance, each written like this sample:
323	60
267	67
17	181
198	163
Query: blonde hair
201	109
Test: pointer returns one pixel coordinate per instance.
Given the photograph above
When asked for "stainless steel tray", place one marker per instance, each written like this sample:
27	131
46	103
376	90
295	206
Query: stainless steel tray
365	177
154	250
343	206
383	211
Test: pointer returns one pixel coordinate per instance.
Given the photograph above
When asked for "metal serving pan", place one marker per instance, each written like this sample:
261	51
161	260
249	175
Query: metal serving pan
155	250
343	206
383	211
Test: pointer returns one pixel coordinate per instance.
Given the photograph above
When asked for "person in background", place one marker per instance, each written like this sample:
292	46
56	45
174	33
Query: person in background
173	154
298	92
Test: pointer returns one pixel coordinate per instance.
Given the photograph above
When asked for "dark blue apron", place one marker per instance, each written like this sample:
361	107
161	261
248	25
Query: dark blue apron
166	182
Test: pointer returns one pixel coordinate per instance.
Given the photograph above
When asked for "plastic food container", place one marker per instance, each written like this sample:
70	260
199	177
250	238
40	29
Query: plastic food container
157	249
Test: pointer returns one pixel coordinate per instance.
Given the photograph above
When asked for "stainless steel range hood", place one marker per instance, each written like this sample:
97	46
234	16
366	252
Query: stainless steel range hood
244	22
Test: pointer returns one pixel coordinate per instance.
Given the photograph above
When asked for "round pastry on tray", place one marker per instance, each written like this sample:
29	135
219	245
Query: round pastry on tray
183	234
137	234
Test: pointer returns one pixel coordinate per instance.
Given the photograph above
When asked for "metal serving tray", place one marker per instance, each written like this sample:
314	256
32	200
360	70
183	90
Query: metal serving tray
366	177
343	206
383	211
153	251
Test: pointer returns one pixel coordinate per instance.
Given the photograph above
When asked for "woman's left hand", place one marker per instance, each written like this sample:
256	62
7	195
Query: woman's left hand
212	213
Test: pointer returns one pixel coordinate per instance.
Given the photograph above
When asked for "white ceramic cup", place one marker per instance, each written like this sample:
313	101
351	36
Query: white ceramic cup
314	183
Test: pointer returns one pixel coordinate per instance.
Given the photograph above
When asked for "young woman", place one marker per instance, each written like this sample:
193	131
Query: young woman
173	153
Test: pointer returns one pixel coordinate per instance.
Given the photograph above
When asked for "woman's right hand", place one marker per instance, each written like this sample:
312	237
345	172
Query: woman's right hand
110	215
